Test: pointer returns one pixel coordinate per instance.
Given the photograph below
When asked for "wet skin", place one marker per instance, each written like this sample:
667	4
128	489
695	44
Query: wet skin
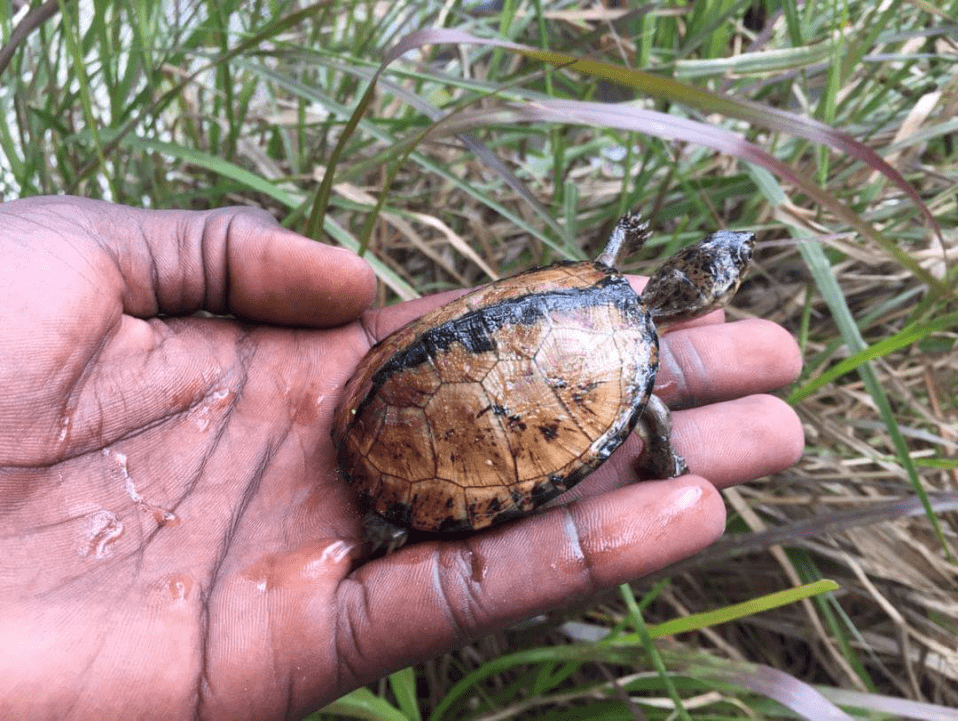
174	537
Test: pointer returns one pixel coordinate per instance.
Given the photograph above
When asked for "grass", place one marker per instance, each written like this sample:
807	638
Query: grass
847	174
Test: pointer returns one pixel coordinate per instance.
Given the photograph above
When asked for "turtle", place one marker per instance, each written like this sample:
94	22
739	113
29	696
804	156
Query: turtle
484	409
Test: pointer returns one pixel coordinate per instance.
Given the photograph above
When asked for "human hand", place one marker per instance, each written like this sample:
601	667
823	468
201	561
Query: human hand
174	537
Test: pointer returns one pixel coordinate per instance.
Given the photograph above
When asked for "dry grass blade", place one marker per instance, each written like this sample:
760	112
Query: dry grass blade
804	700
30	22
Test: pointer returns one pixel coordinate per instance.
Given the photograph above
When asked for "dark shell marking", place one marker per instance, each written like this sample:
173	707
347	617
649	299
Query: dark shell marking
490	406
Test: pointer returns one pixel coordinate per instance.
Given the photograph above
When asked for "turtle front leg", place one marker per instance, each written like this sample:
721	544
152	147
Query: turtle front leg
629	235
658	459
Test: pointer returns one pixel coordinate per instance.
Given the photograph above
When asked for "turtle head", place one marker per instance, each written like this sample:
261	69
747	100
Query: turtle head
699	278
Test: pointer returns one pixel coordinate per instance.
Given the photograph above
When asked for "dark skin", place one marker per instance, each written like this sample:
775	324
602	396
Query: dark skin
174	538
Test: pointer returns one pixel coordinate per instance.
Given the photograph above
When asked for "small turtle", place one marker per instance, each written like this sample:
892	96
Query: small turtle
489	406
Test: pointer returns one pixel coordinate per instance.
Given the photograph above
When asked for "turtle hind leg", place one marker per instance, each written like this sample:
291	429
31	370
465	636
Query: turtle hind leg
658	459
382	537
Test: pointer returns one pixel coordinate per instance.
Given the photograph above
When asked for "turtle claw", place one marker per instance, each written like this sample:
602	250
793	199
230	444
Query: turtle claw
381	535
628	236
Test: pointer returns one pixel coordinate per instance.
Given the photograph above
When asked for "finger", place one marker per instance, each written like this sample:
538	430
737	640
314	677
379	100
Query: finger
277	276
380	323
467	588
231	260
707	363
740	440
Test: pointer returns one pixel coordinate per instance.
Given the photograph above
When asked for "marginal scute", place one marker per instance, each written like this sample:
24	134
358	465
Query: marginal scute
391	495
522	495
366	425
638	341
543	280
485	503
434	501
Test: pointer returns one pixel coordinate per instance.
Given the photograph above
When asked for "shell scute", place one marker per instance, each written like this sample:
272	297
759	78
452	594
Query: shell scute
392	497
456	364
470	444
414	387
434	502
540	434
520	341
559	276
486	503
405	445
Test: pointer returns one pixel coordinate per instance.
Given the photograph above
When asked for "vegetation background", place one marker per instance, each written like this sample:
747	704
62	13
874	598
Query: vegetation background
202	104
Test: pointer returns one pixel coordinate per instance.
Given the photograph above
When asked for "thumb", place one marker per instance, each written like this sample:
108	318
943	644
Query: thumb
230	260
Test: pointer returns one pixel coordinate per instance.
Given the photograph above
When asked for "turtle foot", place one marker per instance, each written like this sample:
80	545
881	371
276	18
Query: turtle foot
658	459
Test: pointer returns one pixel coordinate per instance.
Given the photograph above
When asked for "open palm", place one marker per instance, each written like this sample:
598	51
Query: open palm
174	537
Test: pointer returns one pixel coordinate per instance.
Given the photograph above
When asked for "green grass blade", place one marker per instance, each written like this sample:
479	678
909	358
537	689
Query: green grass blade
403	686
322	200
363	704
155	108
646	640
739	610
759	63
904	338
822	273
427	164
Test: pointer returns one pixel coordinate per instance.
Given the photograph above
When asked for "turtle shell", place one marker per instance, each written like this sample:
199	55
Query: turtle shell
489	406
